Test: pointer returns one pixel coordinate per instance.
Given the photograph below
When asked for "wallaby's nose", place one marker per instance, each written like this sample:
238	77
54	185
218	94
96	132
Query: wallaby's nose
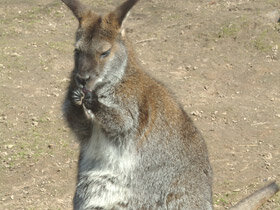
82	80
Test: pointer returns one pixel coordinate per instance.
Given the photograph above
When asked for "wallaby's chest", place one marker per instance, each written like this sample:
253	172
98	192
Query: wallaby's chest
107	153
105	169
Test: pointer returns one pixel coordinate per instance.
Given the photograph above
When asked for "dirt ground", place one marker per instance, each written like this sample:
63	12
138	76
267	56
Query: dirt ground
219	57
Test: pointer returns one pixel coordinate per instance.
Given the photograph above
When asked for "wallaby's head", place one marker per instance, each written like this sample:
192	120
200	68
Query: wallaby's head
100	53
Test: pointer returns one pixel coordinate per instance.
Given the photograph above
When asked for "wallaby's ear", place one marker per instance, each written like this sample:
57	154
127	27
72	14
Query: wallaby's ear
121	11
77	8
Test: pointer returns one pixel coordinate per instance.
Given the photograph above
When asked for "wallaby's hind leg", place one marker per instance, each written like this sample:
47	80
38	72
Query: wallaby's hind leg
255	200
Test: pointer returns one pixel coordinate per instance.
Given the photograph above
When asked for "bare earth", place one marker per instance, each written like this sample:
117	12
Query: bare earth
220	58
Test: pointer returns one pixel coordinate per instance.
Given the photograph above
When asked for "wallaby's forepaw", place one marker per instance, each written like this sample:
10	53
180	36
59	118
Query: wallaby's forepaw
78	97
90	101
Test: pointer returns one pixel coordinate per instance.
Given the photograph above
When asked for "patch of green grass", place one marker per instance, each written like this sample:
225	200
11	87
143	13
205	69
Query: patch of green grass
44	119
229	30
262	43
221	201
224	200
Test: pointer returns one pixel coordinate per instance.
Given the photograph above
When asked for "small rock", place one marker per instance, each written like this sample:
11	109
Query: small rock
65	80
267	156
196	113
34	123
3	117
267	165
34	118
9	146
4	153
228	65
15	55
180	68
25	192
55	94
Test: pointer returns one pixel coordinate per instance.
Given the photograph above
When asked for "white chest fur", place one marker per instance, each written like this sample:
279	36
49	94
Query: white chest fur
105	169
109	154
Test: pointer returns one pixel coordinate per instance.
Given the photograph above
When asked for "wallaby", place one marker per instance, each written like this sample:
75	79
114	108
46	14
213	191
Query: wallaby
138	147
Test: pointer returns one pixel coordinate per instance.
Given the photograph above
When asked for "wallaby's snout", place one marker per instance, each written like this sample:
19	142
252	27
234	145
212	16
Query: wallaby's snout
86	68
82	80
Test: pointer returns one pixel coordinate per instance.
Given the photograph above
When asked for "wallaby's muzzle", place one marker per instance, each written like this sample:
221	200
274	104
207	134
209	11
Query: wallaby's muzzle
82	80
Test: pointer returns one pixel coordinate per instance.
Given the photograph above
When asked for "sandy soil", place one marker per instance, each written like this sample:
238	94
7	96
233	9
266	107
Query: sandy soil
220	58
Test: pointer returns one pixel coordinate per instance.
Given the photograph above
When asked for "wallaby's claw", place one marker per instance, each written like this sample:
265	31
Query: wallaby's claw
90	100
78	97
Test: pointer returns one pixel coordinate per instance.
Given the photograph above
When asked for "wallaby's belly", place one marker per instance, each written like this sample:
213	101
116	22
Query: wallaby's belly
156	176
101	190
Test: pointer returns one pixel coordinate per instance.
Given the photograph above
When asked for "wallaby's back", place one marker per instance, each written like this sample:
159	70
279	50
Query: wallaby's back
174	157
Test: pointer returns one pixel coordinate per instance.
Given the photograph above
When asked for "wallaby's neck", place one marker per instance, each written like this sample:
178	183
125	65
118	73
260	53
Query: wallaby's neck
132	63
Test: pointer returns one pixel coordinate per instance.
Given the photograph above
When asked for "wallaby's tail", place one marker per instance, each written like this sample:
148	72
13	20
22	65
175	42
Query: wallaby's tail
255	200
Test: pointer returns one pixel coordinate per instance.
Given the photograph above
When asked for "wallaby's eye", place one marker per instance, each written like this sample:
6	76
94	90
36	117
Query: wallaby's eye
105	54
